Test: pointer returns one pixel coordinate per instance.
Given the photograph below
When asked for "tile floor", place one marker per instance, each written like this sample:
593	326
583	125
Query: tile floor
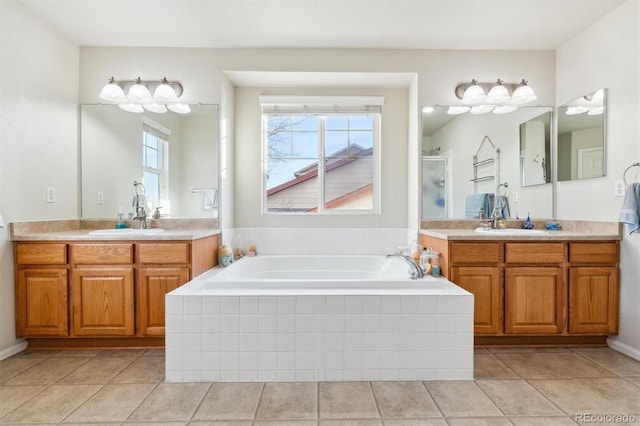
512	386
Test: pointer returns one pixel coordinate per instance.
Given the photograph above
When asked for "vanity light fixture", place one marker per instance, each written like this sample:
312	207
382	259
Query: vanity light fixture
591	104
455	110
499	97
136	95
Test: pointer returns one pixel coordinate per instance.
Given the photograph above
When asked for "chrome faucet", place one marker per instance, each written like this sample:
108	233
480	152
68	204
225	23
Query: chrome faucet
141	215
416	271
140	204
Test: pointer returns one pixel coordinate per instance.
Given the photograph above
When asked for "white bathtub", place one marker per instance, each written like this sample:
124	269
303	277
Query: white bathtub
322	275
315	318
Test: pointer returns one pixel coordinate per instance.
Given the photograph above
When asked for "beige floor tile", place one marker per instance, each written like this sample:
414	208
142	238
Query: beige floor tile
34	354
12	366
288	401
146	369
128	353
77	353
230	401
280	423
615	361
47	371
100	407
154	423
220	423
542	421
346	400
488	366
518	398
552	365
461	399
404	399
97	371
634	380
415	422
607	395
484	421
351	422
171	402
154	352
528	350
481	351
13	396
52	404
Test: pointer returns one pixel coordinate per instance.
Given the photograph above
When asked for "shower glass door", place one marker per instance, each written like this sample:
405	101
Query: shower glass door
435	200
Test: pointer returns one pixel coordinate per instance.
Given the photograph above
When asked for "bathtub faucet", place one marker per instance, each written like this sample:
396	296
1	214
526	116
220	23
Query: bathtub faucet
416	271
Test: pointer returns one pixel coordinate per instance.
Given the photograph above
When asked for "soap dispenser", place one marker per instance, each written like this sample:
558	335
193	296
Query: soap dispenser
120	223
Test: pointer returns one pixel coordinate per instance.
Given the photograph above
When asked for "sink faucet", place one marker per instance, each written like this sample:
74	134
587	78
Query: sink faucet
416	271
141	215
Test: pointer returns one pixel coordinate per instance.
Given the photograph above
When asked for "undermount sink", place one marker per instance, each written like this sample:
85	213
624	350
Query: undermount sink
126	231
511	231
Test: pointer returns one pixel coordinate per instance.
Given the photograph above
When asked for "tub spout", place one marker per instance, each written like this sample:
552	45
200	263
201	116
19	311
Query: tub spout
416	271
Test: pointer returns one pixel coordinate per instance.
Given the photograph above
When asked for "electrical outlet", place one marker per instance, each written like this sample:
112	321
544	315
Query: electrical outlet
514	196
51	194
619	188
100	197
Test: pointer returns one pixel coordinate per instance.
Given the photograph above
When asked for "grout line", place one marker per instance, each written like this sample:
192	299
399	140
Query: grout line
259	401
317	402
424	385
82	403
506	365
204	396
143	400
375	400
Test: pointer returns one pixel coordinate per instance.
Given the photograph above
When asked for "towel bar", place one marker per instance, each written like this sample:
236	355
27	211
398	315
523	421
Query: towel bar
624	175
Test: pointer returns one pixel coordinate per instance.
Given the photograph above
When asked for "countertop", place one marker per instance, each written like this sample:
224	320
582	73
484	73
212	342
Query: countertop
79	230
464	230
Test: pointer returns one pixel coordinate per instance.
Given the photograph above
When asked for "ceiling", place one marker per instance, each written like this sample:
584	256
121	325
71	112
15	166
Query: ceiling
397	24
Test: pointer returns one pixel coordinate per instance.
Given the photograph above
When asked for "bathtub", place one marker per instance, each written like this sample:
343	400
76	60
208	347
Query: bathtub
316	318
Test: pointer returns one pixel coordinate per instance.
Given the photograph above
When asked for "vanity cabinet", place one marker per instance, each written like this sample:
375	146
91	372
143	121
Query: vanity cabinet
41	289
535	292
102	293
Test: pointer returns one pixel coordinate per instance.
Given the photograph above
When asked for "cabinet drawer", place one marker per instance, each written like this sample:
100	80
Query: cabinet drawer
163	253
593	253
534	252
475	253
101	254
41	254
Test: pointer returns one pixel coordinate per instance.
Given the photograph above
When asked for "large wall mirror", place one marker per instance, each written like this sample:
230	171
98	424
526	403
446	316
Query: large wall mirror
454	140
581	137
175	155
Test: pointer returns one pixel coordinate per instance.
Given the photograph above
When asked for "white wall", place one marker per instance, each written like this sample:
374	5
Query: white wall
38	132
607	55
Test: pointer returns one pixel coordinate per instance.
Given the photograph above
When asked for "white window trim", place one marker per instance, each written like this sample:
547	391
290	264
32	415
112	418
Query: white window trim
324	105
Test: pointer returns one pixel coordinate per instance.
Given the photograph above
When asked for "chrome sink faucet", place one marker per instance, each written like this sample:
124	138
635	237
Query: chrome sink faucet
416	271
141	215
140	204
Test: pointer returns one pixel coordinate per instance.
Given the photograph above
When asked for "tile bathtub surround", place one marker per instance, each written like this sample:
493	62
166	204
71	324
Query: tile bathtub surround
135	397
317	338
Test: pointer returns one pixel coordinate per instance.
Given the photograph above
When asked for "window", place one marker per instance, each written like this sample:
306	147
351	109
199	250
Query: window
321	161
155	163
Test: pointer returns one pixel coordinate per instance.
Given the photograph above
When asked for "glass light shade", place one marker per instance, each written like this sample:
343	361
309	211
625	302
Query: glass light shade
139	93
157	108
165	93
481	109
112	92
575	110
179	108
523	94
455	110
131	107
596	111
504	109
498	94
474	94
428	109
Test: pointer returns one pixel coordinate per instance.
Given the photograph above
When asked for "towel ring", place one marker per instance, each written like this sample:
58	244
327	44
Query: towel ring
624	175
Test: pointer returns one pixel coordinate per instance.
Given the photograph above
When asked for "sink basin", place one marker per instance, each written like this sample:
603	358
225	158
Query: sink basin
126	232
511	231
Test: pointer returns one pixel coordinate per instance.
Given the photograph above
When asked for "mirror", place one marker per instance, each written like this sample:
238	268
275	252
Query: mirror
581	130
457	138
535	150
174	155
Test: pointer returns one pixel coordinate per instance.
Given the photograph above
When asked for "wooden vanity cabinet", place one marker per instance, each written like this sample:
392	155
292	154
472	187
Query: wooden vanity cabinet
163	268
41	289
536	292
102	293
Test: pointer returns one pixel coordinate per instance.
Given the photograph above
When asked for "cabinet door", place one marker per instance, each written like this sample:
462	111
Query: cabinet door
153	284
593	300
484	283
102	301
534	300
42	307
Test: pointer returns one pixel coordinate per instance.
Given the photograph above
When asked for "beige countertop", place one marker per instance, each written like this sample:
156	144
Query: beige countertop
80	230
464	230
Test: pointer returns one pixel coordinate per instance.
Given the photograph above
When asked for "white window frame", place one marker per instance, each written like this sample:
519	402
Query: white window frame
324	106
163	162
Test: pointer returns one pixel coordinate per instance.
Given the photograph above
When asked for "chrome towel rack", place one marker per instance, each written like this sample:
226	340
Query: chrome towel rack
624	175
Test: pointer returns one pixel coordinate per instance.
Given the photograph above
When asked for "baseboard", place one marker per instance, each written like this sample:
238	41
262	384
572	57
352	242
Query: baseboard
12	350
625	349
